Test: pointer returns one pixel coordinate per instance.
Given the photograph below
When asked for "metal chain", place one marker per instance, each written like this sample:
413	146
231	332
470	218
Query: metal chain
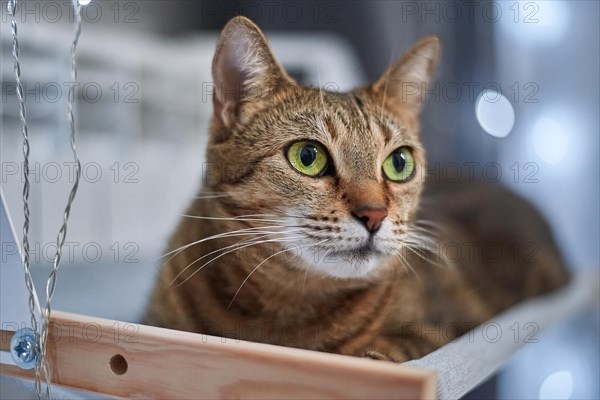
42	364
12	5
62	233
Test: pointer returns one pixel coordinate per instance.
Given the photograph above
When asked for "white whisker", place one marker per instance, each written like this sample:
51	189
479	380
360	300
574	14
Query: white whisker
227	252
385	85
238	232
262	262
236	218
211	196
420	238
320	89
287	214
238	244
407	264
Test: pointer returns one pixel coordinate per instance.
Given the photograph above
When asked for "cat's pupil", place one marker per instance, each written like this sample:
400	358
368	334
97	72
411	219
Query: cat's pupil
399	161
308	155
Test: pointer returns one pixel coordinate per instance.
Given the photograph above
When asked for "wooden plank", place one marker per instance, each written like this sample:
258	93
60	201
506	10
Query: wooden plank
5	338
137	361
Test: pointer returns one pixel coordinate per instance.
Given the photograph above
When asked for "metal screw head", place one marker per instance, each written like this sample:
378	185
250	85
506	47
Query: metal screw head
23	348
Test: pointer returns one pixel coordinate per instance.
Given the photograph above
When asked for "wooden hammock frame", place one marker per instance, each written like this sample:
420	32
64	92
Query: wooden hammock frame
127	360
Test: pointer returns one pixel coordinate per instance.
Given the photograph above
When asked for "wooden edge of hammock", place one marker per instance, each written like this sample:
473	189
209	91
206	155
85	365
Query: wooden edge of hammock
131	360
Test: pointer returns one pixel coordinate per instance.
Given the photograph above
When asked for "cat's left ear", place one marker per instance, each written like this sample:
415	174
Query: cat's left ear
404	84
245	72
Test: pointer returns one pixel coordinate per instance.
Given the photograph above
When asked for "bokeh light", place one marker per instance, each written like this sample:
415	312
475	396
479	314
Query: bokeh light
494	113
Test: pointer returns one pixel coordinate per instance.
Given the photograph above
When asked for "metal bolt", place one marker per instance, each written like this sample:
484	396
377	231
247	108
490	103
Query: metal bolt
23	348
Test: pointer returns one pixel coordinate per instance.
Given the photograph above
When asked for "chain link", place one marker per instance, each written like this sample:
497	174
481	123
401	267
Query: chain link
42	365
12	6
62	233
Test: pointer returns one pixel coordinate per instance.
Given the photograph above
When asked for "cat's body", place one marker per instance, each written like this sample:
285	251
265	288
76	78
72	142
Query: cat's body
334	258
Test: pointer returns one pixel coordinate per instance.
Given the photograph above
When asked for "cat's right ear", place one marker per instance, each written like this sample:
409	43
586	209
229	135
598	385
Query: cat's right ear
403	86
244	70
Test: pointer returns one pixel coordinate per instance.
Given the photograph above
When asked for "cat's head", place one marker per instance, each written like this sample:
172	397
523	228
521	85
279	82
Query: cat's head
339	173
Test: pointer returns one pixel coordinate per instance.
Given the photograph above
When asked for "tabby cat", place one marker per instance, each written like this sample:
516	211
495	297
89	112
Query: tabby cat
309	230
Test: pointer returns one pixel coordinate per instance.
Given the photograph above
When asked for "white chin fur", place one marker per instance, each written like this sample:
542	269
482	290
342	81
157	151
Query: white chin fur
340	265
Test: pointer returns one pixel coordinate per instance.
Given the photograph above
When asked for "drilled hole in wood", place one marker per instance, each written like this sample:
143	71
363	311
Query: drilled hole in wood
118	364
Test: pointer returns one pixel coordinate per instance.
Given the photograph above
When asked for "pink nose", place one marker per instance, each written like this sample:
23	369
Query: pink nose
371	217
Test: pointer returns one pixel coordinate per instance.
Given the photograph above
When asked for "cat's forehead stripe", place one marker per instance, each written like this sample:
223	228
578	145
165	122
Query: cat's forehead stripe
360	107
345	122
395	133
387	134
331	128
339	117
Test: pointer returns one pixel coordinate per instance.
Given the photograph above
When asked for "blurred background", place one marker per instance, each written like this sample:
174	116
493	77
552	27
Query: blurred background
516	100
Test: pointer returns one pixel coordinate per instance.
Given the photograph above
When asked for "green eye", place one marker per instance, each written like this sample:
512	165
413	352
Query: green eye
400	165
310	158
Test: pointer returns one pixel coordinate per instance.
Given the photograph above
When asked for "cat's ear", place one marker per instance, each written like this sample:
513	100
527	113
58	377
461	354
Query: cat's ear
244	70
404	84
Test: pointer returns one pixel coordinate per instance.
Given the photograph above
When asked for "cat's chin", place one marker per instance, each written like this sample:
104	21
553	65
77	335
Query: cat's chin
351	264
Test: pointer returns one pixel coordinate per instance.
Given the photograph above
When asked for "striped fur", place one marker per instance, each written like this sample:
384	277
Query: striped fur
267	254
